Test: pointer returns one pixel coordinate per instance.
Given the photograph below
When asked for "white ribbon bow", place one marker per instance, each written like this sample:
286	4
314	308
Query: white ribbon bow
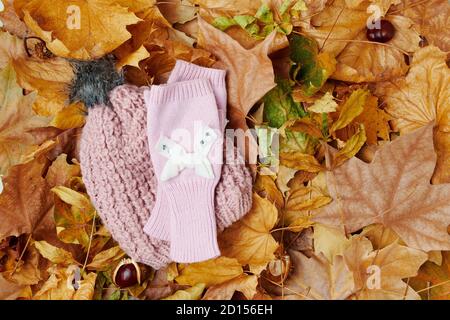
179	159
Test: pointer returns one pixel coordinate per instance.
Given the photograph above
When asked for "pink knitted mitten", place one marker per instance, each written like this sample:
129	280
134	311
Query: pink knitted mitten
186	145
158	224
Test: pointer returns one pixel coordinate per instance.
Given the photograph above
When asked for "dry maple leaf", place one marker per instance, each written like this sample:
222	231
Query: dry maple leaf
80	29
20	128
49	77
431	18
177	11
211	272
371	62
155	45
394	190
422	97
9	290
11	22
250	240
56	288
340	30
433	280
246	284
26	203
391	264
374	119
315	278
250	72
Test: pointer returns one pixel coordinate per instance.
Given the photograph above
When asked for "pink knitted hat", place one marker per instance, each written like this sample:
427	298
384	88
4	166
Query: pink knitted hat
119	177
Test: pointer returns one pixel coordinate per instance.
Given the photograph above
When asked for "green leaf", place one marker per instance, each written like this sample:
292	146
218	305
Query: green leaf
300	5
264	14
298	141
252	29
115	295
279	106
310	69
285	6
223	23
244	20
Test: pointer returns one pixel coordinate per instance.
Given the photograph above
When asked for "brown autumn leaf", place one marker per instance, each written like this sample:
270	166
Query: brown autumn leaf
10	47
374	119
177	11
11	21
106	259
26	203
249	72
9	290
249	240
28	270
155	36
300	201
235	6
315	278
54	254
49	77
394	190
211	272
266	187
372	62
18	122
246	284
59	285
60	172
433	280
378	274
430	18
86	30
422	97
192	293
300	161
341	30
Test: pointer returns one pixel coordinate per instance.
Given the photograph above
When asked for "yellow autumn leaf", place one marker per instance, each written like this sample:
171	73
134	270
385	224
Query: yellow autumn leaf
72	116
300	161
423	96
266	187
105	259
250	240
330	241
375	121
192	293
80	29
134	58
210	272
18	122
351	147
86	287
50	78
54	254
352	108
73	197
246	284
325	104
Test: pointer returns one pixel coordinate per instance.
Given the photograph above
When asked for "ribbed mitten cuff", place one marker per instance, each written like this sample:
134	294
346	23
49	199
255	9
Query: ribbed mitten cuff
157	225
187	71
178	91
193	223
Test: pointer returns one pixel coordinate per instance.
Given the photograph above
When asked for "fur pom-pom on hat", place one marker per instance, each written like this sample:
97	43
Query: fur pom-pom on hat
94	80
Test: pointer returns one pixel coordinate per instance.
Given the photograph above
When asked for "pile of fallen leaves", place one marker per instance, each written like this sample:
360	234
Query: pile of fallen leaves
359	207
